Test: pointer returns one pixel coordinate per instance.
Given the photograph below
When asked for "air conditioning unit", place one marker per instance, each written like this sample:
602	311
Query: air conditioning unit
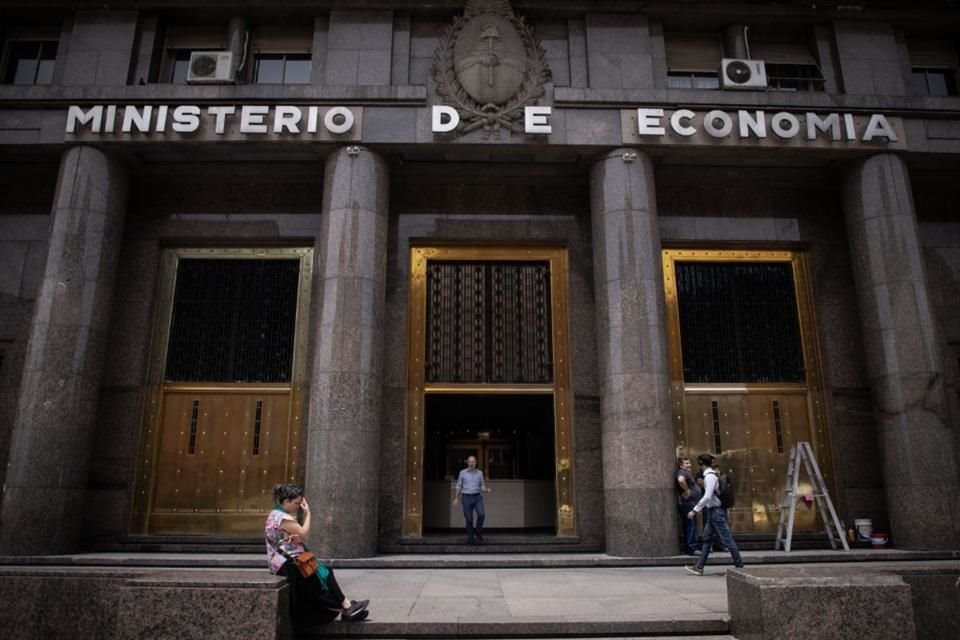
743	74
210	67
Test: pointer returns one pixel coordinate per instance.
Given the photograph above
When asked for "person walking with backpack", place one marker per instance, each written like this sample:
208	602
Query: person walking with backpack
715	516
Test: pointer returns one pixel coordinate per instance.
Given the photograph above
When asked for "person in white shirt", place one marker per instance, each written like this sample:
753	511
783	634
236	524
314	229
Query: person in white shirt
715	517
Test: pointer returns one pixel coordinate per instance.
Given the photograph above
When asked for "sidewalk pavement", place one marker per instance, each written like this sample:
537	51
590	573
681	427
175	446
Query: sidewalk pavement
531	595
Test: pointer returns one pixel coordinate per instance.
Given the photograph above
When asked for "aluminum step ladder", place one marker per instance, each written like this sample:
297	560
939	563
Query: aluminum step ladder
801	452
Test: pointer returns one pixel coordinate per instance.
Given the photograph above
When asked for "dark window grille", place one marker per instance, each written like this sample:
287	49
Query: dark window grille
233	321
738	322
30	62
794	77
488	322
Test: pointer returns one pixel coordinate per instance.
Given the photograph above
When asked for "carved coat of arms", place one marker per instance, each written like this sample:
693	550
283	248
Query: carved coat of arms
489	66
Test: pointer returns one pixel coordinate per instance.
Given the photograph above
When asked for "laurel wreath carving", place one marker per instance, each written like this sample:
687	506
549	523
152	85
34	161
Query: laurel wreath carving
490	117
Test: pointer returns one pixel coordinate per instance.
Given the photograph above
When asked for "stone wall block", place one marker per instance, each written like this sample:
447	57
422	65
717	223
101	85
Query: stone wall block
343	442
629	348
899	304
906	510
636	400
903	350
56	411
620	453
352	185
807	604
355	236
632	355
56	521
353	482
351	398
354	348
640	522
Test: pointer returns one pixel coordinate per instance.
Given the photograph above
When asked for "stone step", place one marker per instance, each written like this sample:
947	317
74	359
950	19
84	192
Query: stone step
701	628
433	544
527	560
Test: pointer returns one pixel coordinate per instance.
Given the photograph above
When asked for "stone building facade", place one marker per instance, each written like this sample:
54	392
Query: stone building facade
346	244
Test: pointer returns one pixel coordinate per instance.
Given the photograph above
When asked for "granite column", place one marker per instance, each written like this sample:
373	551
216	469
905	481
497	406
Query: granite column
637	438
904	356
343	439
53	431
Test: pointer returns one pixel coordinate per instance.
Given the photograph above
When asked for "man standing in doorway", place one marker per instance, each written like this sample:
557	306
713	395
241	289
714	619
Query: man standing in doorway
715	519
688	494
471	487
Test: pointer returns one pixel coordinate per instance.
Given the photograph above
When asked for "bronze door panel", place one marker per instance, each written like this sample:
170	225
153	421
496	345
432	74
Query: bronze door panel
219	456
745	426
225	389
773	400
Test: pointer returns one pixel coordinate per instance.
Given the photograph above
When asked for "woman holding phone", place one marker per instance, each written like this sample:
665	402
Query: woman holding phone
316	599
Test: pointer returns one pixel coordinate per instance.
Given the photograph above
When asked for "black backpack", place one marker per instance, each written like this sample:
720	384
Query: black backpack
725	491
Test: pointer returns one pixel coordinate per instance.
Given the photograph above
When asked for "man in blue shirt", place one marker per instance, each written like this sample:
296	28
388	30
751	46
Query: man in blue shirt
471	487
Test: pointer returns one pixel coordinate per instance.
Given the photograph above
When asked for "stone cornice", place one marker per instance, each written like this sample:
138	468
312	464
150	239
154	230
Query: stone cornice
40	97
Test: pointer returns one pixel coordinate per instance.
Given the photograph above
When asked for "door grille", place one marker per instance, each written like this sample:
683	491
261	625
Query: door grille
739	323
488	322
233	321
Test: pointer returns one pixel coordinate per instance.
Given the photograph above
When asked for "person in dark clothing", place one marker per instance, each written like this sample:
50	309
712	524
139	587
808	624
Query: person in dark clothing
316	599
688	493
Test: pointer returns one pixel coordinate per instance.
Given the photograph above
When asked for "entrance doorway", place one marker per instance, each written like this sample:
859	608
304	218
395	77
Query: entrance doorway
489	375
745	370
225	393
511	437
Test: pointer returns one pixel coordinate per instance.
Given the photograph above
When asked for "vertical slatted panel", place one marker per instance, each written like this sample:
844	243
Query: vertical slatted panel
488	322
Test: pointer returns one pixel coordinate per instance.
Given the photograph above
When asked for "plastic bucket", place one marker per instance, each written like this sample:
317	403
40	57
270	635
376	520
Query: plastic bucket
864	529
879	539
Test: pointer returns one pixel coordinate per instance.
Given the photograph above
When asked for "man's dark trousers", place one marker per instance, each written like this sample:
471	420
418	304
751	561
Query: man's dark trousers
473	502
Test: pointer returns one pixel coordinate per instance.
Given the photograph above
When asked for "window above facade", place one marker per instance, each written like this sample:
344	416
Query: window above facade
282	68
29	62
790	64
933	82
180	41
933	67
280	55
178	62
693	60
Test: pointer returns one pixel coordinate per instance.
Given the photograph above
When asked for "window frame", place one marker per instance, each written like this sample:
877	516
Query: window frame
179	38
8	58
814	82
285	57
949	77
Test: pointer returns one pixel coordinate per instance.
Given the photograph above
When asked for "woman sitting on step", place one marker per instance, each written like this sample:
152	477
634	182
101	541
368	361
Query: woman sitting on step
316	599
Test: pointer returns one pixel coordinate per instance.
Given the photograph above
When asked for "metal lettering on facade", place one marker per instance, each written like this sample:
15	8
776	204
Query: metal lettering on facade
649	125
215	123
759	127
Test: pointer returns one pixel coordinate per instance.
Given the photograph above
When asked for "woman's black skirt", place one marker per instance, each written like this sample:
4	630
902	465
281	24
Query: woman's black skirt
310	603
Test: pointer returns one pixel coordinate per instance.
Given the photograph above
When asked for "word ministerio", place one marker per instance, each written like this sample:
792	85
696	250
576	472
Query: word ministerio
340	120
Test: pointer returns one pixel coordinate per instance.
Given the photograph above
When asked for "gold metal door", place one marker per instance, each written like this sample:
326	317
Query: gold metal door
750	426
212	449
419	386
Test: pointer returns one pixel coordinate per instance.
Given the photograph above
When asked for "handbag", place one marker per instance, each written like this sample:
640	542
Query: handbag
306	563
